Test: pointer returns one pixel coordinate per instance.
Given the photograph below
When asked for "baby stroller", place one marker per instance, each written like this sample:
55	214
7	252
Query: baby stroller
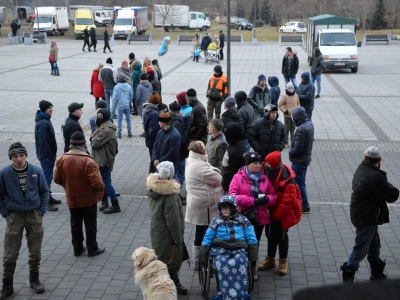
213	56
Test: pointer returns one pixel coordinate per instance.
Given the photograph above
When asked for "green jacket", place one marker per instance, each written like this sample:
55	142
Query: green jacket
104	144
167	224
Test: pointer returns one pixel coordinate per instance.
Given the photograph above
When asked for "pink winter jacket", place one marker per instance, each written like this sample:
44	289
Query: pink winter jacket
241	187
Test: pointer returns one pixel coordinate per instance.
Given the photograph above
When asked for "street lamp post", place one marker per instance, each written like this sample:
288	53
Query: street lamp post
228	54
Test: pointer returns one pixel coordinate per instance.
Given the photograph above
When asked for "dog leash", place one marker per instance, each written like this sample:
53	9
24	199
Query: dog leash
172	256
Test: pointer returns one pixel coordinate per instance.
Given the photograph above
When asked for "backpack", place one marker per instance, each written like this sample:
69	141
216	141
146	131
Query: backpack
214	93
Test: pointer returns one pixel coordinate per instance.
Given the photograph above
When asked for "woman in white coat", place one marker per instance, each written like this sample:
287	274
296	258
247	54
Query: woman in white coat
203	185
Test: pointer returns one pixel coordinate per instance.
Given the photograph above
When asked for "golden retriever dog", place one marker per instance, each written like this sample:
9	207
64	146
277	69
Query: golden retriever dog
152	276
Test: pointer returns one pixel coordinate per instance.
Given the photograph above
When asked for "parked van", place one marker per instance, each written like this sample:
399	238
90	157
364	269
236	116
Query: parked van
51	19
83	18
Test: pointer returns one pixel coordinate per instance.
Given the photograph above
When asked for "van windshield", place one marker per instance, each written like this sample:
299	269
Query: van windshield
45	19
338	39
84	21
124	22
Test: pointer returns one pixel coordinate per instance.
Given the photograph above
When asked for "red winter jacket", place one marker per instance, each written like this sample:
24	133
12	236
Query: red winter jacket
97	86
288	208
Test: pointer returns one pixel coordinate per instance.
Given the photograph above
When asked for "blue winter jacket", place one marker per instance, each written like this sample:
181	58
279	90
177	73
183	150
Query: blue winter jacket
303	139
122	95
150	121
45	139
11	196
167	146
274	91
186	111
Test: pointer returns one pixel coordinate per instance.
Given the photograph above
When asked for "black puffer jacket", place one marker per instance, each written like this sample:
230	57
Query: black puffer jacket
197	130
177	122
371	191
293	68
232	115
303	139
306	93
265	138
246	111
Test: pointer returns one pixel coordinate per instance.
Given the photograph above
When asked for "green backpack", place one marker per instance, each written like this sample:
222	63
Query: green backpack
214	93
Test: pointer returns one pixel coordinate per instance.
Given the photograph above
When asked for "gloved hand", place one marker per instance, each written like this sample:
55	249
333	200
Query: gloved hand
253	252
261	200
203	255
286	112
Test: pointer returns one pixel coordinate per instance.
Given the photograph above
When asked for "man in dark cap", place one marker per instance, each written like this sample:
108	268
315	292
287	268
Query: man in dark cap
46	145
71	124
23	203
197	130
217	91
80	176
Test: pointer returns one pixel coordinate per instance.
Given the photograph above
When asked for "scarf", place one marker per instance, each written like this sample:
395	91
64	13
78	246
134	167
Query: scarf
254	178
126	72
289	93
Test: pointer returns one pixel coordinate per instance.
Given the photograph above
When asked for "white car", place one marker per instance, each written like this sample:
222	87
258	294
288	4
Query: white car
295	27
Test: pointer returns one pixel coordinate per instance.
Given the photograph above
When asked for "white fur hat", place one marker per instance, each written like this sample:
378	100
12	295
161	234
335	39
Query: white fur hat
165	170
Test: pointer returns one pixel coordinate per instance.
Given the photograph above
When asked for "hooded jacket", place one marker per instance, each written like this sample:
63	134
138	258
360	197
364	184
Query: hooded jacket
167	225
258	98
293	68
135	75
306	92
176	120
302	144
104	144
150	122
198	123
167	146
232	115
274	91
108	76
247	114
122	95
317	67
143	93
96	86
45	139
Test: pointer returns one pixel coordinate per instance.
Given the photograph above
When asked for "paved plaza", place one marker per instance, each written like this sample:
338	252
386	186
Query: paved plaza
355	111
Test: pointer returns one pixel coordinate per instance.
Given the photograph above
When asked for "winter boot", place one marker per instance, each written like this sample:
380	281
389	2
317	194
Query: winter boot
119	135
130	134
268	263
113	209
179	287
35	283
195	254
54	201
104	202
377	271
347	275
8	288
283	267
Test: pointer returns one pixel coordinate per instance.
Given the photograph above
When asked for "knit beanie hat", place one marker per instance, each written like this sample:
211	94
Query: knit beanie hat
251	157
240	97
181	97
77	138
165	170
230	102
150	70
121	78
154	98
109	61
143	76
154	62
261	77
191	94
373	152
306	76
44	105
175	106
289	86
164	117
101	104
15	149
131	55
124	62
275	163
102	115
218	69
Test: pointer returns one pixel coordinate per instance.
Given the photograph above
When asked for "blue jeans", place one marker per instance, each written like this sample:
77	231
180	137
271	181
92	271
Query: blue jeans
180	172
105	175
127	112
367	243
246	144
293	79
108	93
47	167
318	78
301	171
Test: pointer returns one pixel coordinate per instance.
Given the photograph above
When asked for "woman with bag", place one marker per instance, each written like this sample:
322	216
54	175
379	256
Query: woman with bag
53	57
284	215
96	86
203	185
254	194
167	226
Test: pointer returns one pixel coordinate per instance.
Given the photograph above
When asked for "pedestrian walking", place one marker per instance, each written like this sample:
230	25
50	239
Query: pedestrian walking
93	38
316	70
23	203
290	66
78	173
86	39
106	41
71	124
221	45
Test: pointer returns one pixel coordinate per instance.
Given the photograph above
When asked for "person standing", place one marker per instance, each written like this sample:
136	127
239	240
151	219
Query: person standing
221	45
150	124
195	44
71	124
104	149
301	150
368	209
186	111
23	203
143	92
274	90
290	66
96	86
46	146
93	38
316	70
136	67
197	130
288	102
268	134
259	96
86	39
231	114
204	44
13	26
1	35
53	57
247	114
306	91
77	172
106	42
108	76
122	97
216	143
217	91
153	80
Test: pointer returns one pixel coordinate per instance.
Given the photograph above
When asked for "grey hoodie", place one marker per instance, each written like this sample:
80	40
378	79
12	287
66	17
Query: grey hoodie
143	92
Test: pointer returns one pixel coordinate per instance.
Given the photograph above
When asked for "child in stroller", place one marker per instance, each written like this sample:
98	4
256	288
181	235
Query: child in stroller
213	52
231	242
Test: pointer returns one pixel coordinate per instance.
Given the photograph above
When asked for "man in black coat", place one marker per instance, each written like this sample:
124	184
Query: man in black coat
93	37
290	66
71	124
300	153
368	209
106	43
197	130
221	45
306	91
231	113
86	39
204	44
268	133
248	116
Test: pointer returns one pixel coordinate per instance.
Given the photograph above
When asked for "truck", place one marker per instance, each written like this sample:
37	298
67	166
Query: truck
73	8
102	18
336	38
83	18
178	16
51	19
130	20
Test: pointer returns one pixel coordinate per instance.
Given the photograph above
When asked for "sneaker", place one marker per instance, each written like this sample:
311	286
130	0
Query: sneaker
142	135
115	116
305	209
317	96
119	135
51	207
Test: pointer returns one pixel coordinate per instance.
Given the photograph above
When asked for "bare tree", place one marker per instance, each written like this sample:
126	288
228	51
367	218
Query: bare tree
10	4
167	11
393	11
276	10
